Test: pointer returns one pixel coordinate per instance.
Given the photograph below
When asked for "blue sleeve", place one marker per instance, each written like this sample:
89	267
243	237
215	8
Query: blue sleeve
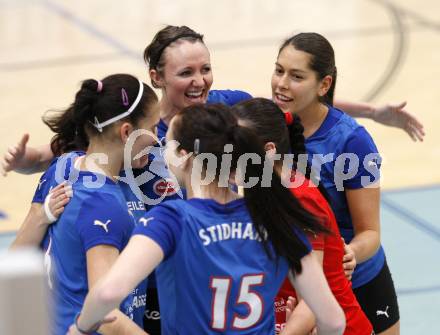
45	183
60	169
228	97
368	172
303	238
162	224
43	187
103	221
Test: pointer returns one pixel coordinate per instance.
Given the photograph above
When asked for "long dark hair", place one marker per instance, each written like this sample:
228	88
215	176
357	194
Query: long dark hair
322	60
274	210
268	121
102	100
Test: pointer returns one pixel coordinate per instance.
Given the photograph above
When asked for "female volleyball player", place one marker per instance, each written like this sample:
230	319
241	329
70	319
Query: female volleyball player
268	121
303	83
96	224
220	258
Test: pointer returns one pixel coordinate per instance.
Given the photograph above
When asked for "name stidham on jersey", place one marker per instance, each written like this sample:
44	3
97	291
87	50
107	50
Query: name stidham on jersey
228	231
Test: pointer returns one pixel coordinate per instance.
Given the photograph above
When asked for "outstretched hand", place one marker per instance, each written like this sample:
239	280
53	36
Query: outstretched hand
397	116
13	158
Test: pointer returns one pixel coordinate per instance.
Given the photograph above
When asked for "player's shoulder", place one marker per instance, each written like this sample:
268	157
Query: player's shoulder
227	97
344	121
62	166
176	206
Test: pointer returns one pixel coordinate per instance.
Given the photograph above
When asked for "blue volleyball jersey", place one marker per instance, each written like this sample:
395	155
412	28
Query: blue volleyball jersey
55	174
93	217
216	276
340	134
134	305
59	170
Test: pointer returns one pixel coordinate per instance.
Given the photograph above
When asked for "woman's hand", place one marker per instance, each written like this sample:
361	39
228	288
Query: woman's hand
349	261
15	156
290	306
57	199
397	116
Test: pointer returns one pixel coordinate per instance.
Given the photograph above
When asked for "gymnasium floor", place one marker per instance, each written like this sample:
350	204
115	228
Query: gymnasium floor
386	52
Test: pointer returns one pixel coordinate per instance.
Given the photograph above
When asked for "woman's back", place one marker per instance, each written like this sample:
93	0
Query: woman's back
215	262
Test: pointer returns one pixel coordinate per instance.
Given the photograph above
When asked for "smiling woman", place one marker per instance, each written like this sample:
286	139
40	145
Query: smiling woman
180	65
303	84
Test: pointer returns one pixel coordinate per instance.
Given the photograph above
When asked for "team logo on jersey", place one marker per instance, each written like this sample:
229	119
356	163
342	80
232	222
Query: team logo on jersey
156	170
165	187
102	224
145	221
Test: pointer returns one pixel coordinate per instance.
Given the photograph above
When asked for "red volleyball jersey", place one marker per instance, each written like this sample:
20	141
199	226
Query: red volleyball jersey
333	248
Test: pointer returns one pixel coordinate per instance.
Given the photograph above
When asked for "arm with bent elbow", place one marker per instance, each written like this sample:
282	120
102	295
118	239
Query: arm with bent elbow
312	286
121	278
36	223
302	321
100	260
364	207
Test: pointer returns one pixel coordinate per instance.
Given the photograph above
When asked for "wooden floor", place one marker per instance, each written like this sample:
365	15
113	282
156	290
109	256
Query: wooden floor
386	52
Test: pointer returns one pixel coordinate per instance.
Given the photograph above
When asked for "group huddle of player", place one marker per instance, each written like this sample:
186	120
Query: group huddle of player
228	214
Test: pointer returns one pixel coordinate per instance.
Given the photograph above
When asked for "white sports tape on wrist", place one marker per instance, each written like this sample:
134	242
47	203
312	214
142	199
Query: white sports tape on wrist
47	211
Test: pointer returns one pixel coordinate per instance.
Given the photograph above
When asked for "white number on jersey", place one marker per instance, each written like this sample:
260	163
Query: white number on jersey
221	287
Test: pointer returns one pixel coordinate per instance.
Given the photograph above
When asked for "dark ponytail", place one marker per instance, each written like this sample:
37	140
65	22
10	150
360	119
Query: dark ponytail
322	60
96	101
275	212
298	147
268	121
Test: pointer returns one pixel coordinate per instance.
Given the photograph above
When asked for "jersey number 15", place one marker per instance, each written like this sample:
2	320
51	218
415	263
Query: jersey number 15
221	287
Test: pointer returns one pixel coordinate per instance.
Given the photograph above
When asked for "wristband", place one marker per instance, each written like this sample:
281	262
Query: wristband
47	211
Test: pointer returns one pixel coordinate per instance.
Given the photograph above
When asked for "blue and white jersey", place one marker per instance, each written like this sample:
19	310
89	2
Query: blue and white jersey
215	276
134	305
340	135
93	217
58	171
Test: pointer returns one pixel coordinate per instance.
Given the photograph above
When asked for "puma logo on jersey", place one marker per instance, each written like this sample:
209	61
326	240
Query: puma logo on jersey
145	221
385	312
102	224
40	183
